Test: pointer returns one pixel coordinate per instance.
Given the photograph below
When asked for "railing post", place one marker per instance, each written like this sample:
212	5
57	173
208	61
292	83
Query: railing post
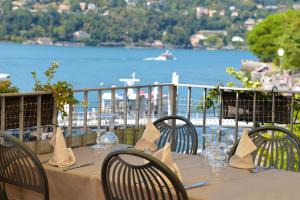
85	117
54	120
204	118
2	113
39	116
125	106
273	108
236	130
219	132
99	109
172	99
70	124
149	103
113	101
292	112
21	118
137	111
254	111
160	104
189	96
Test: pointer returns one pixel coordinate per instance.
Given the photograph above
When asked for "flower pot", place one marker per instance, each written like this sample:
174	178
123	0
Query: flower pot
13	110
263	111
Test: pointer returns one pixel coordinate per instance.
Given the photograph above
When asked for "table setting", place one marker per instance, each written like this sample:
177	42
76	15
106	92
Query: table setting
75	174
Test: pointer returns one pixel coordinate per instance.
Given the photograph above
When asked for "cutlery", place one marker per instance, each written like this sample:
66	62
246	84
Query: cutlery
79	166
180	158
199	184
45	161
259	169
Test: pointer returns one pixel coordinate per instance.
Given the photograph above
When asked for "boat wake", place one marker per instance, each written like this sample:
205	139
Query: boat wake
159	58
167	55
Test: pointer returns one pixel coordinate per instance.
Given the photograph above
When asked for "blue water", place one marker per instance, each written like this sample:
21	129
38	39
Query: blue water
86	67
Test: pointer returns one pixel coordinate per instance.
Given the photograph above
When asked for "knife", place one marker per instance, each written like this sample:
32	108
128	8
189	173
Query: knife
199	184
79	166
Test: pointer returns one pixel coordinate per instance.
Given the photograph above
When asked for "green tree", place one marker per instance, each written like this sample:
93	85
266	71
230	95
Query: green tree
277	31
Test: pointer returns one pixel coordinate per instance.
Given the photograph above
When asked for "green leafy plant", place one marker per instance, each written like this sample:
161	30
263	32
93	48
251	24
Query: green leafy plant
7	87
62	91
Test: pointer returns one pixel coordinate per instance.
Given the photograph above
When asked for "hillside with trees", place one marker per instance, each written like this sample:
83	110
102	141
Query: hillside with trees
152	23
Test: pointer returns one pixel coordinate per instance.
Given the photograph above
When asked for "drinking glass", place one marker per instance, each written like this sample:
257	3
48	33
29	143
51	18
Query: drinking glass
217	159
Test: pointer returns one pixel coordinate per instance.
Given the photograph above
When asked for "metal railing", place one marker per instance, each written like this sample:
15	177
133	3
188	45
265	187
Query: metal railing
135	104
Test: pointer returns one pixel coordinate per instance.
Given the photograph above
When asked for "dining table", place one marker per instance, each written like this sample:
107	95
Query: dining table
84	183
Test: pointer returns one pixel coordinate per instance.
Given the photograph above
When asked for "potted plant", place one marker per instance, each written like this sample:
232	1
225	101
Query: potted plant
62	91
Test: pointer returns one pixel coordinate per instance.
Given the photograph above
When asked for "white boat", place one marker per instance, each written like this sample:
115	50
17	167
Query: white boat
4	77
167	55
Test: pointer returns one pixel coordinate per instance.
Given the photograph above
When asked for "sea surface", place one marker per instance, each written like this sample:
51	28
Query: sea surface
87	67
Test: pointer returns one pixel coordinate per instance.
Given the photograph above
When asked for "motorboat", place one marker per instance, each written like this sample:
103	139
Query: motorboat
167	55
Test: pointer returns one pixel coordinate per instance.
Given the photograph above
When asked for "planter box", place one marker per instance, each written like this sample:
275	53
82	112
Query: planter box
12	111
263	112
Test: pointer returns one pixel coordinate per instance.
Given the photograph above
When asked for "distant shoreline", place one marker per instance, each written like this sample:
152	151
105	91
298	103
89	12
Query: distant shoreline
117	45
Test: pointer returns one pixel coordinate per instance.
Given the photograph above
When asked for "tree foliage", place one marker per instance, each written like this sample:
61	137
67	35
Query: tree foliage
277	31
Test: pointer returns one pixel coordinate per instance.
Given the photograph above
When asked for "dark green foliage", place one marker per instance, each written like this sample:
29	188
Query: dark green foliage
172	22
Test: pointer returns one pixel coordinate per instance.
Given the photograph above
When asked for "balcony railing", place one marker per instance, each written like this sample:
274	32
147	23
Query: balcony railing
133	106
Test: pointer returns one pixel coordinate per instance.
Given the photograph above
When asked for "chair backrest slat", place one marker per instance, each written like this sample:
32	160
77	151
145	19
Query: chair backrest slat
19	166
132	174
180	132
276	147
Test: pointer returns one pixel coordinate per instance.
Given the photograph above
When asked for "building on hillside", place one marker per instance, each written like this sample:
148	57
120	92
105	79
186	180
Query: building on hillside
91	7
237	39
105	13
131	2
63	8
81	35
234	14
271	7
232	8
44	41
157	44
259	6
202	35
212	13
296	6
196	38
222	12
18	4
249	24
201	11
82	6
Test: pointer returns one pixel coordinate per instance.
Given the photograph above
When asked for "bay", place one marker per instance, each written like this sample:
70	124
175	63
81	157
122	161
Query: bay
87	67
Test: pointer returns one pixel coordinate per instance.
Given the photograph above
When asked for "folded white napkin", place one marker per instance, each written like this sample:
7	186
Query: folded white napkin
62	156
242	157
165	155
147	141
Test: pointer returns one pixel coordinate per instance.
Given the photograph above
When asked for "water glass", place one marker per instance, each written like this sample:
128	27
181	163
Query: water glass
217	158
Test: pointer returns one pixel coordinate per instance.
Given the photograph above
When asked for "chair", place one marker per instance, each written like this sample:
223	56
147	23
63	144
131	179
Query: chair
20	167
276	147
180	132
133	175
